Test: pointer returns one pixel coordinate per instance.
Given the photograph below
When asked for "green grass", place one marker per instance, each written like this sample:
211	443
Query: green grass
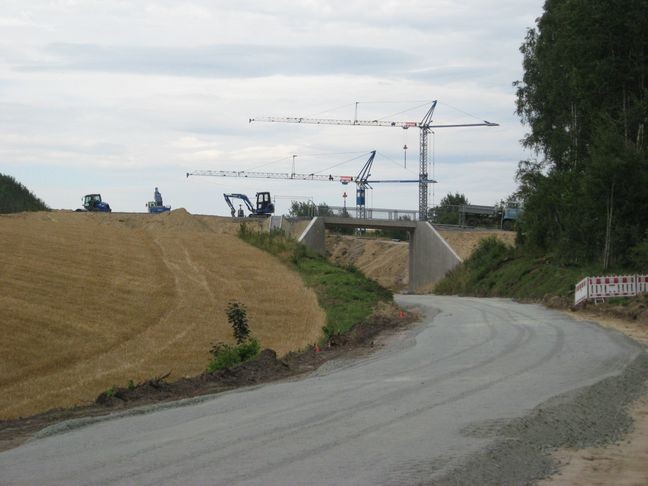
345	294
498	270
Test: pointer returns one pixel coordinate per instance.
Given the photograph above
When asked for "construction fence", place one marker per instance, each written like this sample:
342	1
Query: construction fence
595	288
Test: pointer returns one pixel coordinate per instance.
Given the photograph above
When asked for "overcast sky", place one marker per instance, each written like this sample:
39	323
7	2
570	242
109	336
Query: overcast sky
118	97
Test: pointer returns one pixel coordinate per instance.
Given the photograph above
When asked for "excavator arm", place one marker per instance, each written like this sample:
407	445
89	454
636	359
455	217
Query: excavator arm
246	200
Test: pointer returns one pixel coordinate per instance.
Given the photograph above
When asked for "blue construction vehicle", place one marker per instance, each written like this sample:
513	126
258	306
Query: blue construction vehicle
264	207
156	206
155	209
93	202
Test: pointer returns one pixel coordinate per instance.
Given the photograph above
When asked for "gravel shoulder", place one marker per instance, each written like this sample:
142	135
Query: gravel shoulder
597	435
626	460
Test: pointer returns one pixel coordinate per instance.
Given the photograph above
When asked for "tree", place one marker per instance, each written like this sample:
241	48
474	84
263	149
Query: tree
237	317
307	209
447	212
584	96
14	197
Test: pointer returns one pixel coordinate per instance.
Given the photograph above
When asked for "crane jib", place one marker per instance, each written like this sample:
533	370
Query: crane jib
425	126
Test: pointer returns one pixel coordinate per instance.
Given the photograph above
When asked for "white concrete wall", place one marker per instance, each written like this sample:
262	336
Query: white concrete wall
313	236
430	257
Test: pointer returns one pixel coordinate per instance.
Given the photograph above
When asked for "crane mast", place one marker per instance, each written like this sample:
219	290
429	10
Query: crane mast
425	125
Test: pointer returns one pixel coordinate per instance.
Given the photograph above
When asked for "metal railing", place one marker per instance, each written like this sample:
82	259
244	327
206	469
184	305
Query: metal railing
459	216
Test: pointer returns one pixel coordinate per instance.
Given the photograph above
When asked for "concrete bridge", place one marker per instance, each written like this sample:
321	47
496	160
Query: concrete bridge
430	256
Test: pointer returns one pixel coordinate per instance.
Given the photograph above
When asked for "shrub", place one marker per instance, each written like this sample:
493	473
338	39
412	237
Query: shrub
249	349
224	356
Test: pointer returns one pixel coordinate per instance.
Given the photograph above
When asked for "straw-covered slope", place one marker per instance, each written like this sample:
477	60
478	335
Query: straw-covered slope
89	300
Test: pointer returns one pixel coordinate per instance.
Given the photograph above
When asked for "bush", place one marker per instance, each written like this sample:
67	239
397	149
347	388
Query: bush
226	355
249	349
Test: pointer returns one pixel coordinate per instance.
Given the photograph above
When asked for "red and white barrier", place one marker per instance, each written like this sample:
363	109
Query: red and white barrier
592	288
642	284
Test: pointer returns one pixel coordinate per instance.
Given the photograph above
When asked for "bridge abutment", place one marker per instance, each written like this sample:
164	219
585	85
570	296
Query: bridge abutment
430	256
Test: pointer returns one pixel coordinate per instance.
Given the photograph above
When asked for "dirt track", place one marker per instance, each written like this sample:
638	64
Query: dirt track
94	300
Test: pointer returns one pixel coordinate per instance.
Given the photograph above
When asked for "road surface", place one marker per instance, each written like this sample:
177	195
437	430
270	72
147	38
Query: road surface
394	418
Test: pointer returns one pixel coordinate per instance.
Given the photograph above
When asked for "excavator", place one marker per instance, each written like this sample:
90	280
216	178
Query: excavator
264	207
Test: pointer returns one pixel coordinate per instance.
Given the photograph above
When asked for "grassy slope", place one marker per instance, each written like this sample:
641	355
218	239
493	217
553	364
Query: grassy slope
345	294
15	198
498	270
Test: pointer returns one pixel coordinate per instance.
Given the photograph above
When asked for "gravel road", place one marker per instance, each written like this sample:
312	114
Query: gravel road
476	392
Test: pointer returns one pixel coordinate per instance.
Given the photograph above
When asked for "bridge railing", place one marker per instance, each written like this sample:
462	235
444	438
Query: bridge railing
376	213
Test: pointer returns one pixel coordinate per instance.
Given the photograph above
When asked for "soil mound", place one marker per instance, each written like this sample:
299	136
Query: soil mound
384	261
92	300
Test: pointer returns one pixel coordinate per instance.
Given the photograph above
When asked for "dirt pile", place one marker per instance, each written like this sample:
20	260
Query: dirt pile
387	261
381	260
93	300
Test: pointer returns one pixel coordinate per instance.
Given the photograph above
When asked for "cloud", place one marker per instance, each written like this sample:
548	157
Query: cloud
224	61
113	95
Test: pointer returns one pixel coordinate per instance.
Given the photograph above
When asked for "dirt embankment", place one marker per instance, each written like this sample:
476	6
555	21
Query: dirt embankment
92	300
384	261
465	242
387	261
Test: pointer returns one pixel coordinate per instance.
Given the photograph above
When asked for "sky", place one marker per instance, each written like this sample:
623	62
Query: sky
123	96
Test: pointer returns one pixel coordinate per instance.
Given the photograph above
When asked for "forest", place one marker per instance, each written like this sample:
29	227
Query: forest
584	98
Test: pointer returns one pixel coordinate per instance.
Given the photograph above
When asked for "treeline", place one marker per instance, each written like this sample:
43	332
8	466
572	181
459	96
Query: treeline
584	95
14	197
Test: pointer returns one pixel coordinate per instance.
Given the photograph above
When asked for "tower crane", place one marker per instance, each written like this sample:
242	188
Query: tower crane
425	125
361	180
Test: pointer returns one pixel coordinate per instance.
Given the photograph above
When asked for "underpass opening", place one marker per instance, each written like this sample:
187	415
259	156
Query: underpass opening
430	256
